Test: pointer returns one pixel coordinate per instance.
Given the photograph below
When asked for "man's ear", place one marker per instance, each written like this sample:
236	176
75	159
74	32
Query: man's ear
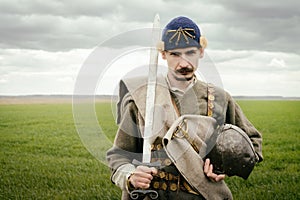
163	55
201	52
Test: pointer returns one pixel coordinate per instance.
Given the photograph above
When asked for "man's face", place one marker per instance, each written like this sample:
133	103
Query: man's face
182	63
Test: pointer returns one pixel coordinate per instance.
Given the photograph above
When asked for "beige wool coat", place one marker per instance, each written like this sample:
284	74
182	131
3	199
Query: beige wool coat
128	144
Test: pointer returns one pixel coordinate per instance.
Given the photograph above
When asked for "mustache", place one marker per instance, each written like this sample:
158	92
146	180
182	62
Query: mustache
184	70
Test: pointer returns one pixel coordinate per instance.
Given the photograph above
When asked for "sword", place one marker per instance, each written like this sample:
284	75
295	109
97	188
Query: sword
149	112
151	85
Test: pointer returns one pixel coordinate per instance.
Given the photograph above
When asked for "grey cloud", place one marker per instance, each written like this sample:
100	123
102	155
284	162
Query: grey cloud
230	24
270	25
264	9
52	32
71	8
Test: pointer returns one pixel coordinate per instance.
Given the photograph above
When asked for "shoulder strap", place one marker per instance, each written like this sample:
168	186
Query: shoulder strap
175	106
210	99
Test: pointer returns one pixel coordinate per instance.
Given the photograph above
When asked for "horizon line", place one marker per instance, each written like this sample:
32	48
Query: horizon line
111	95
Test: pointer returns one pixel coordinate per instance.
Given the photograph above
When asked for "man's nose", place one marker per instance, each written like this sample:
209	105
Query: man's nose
183	62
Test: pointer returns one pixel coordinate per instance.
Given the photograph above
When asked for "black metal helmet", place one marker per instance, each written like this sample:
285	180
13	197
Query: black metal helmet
233	152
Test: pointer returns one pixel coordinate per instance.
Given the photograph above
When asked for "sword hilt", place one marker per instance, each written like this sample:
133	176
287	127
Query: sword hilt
153	164
141	193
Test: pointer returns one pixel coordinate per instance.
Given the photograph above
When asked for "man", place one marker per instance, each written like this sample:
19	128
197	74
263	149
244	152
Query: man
177	94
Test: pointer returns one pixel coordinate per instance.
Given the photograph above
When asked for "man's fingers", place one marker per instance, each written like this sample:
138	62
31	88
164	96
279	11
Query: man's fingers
206	166
143	186
143	169
210	173
140	180
142	177
143	183
154	171
148	170
140	184
220	177
208	170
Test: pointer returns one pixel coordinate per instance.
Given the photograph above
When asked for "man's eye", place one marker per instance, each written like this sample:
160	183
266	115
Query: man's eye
190	53
174	54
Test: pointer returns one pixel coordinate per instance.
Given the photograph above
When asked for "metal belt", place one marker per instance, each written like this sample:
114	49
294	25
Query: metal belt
168	181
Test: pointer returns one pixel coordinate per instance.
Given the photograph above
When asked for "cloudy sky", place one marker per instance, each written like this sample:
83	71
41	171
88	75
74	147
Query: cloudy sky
44	44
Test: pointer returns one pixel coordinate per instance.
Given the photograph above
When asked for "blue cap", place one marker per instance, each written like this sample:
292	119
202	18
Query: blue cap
181	32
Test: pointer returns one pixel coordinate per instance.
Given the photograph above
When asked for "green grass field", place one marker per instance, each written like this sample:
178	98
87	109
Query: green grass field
42	156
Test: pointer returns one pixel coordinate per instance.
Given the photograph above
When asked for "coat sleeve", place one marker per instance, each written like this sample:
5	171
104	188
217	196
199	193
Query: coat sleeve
128	141
235	116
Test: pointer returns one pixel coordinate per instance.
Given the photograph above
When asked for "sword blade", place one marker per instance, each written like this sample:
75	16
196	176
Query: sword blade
151	85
